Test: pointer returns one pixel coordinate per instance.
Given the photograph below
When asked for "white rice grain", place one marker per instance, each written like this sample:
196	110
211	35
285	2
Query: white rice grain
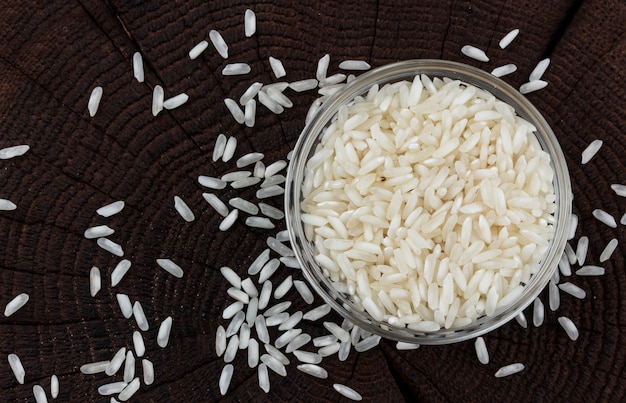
360	65
304	85
273	364
198	49
322	67
259	222
138	344
291	322
608	250
94	367
265	294
347	392
110	246
111	388
229	220
216	203
538	312
183	209
230	276
286	337
148	371
119	272
249	23
403	346
604	217
581	250
270	191
98	232
274	168
532	86
125	305
279	247
140	316
158	97
170	267
317	313
367	343
250	113
249	288
509	370
253	353
264	378
129	366
238	295
569	327
218	42
573	290
218	149
481	350
504	70
554	298
14	151
138	67
175	101
7	205
270	103
268	270
278	308
220	341
39	394
250	93
116	362
337	331
236	69
619	189
229	149
261	329
232	106
163	335
95	282
274	352
277	67
111	209
231	348
313	370
591	150
508	38
129	390
304	291
590	270
16	366
307	357
539	70
15	304
54	386
474	53
94	101
271	211
258	263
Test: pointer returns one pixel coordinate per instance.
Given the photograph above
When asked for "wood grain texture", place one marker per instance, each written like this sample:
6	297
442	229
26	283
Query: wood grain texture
52	54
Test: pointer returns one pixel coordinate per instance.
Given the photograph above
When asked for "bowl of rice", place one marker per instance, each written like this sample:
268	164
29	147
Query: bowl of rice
428	202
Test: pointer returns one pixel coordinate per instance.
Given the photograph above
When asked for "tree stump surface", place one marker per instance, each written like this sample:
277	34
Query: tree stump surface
52	54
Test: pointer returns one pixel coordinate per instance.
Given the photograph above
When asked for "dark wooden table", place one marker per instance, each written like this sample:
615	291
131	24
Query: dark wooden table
53	53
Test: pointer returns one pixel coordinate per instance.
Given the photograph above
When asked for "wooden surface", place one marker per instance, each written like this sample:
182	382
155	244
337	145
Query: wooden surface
53	53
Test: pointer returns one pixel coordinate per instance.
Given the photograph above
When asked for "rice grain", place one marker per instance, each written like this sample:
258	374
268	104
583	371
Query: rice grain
198	49
116	362
129	390
218	42
138	344
7	205
16	366
539	70
39	394
608	250
95	282
94	101
148	371
347	392
249	21
264	378
163	335
277	67
15	304
591	150
360	65
236	69
229	149
229	220
138	67
140	316
474	53
604	217
509	370
532	86
119	272
110	246
508	38
14	151
54	386
183	209
98	232
125	305
569	327
158	97
175	101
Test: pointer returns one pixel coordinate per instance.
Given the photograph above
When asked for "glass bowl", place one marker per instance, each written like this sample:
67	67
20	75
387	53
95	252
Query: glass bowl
304	248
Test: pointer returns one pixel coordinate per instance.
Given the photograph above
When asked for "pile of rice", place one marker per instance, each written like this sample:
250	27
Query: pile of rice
429	202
